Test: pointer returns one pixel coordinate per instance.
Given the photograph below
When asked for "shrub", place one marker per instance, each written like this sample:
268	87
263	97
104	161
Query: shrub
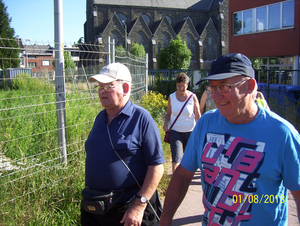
156	104
287	110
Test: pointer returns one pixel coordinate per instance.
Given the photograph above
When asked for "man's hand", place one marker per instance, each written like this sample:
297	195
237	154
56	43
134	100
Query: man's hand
134	215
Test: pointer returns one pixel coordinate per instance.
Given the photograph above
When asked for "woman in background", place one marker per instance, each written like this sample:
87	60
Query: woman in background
184	125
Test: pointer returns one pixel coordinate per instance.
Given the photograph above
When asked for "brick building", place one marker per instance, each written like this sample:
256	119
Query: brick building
203	24
268	30
39	58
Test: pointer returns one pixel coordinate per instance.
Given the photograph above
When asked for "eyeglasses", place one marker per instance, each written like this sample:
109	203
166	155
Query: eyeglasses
224	88
105	88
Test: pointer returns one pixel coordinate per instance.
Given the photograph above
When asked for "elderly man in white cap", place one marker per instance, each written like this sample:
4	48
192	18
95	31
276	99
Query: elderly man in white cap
248	155
124	157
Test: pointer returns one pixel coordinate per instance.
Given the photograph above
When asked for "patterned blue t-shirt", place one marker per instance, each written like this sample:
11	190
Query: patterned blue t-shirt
246	168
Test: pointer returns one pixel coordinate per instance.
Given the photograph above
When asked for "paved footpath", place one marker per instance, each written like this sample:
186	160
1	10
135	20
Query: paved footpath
191	209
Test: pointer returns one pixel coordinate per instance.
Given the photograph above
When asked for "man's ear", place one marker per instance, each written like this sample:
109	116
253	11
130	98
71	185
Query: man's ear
251	85
126	88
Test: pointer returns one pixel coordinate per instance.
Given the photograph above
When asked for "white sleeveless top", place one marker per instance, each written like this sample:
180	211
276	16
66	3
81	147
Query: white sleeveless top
186	121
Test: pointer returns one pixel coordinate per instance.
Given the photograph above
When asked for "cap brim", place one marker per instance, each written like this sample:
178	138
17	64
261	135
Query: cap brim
101	78
218	77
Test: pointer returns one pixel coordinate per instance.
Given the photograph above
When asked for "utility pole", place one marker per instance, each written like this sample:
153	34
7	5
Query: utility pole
60	78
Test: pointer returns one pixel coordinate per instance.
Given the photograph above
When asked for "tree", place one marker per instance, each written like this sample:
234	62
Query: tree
138	50
120	51
176	55
70	66
9	47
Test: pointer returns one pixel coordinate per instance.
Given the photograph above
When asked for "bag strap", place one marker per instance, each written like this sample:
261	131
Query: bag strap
180	111
158	218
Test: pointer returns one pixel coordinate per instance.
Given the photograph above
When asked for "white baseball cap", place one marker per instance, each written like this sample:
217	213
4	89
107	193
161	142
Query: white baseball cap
112	72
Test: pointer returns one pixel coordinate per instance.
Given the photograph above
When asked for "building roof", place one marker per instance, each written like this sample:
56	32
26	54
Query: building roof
177	4
38	49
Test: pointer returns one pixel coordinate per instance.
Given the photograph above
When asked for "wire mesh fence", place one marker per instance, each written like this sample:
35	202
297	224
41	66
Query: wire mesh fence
30	154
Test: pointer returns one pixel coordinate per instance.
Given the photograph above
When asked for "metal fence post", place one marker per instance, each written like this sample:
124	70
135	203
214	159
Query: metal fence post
108	50
60	79
146	72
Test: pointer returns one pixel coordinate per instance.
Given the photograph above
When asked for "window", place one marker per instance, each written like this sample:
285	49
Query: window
237	23
158	47
210	49
274	18
288	14
122	17
268	17
204	52
215	52
193	50
32	64
168	18
46	62
146	18
186	17
188	41
261	18
247	18
146	47
115	38
165	41
140	39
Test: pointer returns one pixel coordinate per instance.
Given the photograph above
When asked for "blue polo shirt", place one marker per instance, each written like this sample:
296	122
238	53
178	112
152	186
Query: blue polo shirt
136	139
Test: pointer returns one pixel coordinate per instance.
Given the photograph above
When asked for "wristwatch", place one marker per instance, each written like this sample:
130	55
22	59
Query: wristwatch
143	199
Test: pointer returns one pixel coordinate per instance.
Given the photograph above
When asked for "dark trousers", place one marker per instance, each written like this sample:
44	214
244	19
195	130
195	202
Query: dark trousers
115	215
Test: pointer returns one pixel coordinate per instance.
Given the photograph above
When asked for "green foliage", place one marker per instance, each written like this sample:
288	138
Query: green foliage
287	110
138	50
255	63
120	51
156	104
163	85
176	55
70	66
9	47
28	83
45	193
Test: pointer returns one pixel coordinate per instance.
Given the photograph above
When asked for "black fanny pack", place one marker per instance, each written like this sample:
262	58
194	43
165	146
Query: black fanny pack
100	202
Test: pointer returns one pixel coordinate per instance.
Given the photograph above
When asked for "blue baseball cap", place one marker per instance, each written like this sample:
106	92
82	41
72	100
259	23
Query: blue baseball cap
230	65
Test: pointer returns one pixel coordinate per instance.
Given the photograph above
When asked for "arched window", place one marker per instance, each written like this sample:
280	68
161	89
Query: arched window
122	17
186	17
210	49
215	52
146	47
165	41
204	52
190	44
115	38
158	47
188	41
140	39
168	18
146	18
193	49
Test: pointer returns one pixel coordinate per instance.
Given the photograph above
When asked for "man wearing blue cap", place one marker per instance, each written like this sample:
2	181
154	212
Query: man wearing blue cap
248	155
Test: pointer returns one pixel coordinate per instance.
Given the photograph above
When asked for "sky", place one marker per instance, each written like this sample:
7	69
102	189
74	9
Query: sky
34	20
